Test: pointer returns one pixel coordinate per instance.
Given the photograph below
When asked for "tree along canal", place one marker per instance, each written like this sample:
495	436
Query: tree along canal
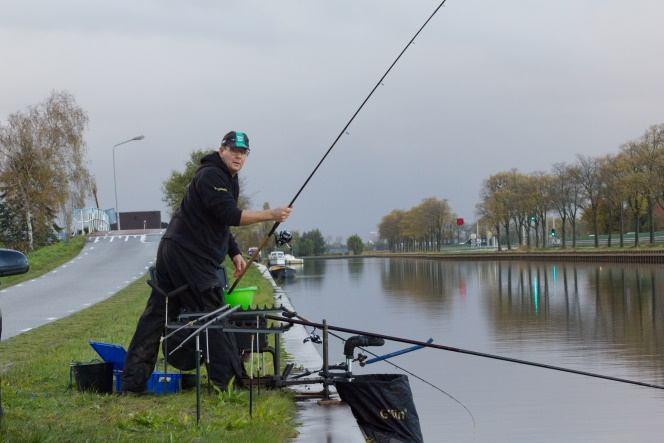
596	317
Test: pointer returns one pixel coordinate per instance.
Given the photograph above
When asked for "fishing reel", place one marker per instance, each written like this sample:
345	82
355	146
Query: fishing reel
283	238
313	337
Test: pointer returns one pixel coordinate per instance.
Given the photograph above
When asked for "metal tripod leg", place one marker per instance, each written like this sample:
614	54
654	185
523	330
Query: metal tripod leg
198	379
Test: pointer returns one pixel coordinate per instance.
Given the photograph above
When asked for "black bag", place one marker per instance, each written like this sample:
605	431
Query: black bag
93	376
383	407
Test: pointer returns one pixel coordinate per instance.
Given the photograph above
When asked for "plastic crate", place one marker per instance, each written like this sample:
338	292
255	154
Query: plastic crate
161	383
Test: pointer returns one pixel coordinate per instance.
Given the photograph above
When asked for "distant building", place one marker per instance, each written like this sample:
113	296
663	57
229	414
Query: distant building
140	220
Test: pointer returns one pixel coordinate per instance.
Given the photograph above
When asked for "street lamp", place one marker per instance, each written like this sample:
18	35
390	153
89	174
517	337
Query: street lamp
115	183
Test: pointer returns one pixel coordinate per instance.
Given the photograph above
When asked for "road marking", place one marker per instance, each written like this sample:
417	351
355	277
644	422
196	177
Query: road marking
55	271
26	329
51	318
143	237
4	290
91	248
110	292
112	238
71	311
97	239
127	238
86	304
147	267
127	282
19	285
64	266
34	279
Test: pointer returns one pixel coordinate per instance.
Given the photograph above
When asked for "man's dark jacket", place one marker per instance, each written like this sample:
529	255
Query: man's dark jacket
209	207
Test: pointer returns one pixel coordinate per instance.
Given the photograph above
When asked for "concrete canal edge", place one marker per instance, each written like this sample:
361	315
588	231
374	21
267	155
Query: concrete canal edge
318	423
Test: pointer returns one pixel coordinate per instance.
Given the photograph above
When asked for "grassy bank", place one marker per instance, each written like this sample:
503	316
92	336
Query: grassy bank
38	406
44	259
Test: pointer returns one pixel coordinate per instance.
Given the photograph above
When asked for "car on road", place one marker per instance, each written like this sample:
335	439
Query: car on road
11	263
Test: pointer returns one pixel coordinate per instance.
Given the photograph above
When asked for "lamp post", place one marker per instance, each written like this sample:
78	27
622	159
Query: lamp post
115	182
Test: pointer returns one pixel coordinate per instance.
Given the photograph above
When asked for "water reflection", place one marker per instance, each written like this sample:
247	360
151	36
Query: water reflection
310	274
594	306
355	267
603	318
608	307
424	280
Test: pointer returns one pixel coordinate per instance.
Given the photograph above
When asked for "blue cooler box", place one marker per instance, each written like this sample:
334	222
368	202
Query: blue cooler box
158	383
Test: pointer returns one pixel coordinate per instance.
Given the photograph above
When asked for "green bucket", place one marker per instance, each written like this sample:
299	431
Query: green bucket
241	296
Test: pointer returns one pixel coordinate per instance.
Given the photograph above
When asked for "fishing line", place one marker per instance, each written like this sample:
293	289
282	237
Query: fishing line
453	398
465	351
341	133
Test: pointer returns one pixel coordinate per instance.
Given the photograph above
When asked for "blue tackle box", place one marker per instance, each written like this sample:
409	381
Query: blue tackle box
158	383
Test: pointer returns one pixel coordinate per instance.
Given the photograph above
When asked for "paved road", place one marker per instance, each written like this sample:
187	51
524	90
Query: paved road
105	265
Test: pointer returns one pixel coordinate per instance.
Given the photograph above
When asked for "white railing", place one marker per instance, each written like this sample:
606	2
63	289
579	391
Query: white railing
90	220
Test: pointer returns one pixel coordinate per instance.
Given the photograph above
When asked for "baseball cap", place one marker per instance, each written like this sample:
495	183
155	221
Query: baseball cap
235	139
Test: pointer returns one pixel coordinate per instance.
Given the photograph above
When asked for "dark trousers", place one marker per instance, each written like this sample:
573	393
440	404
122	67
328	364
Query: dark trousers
175	267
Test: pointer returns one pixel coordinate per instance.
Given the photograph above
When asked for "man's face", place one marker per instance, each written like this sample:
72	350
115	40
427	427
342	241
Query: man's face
234	158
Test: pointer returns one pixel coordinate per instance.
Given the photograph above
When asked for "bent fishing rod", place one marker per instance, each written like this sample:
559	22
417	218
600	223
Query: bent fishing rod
341	133
462	351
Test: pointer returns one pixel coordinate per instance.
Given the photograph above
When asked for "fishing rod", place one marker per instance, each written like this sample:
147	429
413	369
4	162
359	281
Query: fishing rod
464	351
341	133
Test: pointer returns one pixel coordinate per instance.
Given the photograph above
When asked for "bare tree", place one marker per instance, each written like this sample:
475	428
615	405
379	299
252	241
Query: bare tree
591	183
646	157
542	201
42	162
565	191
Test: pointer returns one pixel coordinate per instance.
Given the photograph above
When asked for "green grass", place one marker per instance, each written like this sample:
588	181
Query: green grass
44	259
38	406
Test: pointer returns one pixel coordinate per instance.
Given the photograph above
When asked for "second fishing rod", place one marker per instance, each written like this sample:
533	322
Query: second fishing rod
288	319
254	256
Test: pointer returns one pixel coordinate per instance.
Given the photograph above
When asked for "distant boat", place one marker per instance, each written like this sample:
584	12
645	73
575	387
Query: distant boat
276	263
292	260
279	272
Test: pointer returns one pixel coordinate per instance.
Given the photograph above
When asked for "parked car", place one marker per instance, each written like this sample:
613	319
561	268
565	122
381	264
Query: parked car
11	263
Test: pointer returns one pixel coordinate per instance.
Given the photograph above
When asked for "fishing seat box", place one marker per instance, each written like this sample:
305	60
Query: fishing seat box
158	383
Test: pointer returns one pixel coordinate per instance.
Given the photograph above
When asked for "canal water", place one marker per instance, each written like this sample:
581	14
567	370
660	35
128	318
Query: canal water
603	318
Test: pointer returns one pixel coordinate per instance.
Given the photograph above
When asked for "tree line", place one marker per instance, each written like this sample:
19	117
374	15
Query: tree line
427	226
610	194
43	172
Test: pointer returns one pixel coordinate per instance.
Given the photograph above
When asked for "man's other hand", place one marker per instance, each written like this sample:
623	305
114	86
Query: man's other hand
239	264
281	214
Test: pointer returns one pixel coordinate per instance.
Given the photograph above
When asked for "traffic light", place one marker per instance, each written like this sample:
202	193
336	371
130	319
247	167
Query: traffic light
533	218
553	232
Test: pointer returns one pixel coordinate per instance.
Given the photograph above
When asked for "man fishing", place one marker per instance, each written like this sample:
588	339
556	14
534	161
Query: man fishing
191	252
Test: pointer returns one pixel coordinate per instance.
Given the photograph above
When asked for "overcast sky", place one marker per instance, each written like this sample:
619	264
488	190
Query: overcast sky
487	86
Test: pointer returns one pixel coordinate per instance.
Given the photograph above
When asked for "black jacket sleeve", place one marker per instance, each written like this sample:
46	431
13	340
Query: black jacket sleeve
233	248
216	193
